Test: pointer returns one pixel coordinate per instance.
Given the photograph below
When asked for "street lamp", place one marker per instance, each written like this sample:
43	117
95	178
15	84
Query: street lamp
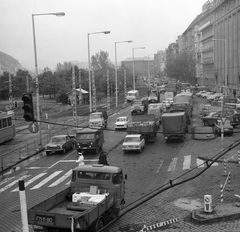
225	84
133	65
116	89
89	67
36	69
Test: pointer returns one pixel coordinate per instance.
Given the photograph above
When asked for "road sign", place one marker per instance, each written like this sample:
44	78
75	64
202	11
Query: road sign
33	127
230	100
230	106
224	120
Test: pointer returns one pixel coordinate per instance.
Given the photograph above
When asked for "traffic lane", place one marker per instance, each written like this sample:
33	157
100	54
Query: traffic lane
147	170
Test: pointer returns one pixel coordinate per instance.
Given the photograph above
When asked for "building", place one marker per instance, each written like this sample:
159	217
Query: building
84	96
216	35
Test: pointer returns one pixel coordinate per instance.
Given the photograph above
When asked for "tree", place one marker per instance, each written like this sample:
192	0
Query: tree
182	66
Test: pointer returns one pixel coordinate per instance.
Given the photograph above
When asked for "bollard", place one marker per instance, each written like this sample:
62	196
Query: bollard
225	167
229	183
221	193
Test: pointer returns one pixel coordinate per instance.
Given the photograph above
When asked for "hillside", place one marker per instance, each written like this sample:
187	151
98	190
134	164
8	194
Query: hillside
8	63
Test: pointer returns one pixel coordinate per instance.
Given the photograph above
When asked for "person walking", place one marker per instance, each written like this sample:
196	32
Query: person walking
80	159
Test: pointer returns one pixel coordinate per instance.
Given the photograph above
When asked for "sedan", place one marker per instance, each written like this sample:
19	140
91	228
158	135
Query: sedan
211	118
121	123
133	142
227	127
59	143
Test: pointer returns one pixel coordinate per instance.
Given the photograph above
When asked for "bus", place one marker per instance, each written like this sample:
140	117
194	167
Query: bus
132	95
7	126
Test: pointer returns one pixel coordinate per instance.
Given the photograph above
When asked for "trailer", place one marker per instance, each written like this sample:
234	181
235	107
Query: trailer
146	125
95	196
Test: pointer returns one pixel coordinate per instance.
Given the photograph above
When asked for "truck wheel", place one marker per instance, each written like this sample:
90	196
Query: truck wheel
64	150
96	225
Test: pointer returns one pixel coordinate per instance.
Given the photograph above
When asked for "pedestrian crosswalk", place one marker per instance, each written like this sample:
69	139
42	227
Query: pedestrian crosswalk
52	179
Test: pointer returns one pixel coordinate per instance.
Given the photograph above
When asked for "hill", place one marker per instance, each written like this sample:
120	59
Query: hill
8	63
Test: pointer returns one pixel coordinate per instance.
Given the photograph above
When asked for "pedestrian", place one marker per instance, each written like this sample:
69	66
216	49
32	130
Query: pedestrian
103	158
80	159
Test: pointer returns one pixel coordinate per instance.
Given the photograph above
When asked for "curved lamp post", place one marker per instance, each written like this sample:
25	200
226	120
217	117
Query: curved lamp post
116	88
89	67
36	69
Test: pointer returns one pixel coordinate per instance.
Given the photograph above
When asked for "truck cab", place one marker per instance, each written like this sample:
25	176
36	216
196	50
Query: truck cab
139	106
89	139
98	119
95	197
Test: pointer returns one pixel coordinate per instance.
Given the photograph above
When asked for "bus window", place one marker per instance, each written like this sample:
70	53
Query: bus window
9	121
1	124
4	122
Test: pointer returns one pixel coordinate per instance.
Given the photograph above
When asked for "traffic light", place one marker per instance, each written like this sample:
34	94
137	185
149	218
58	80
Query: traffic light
69	101
15	104
28	107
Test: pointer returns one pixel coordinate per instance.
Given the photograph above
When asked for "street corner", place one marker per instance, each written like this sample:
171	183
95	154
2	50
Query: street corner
221	212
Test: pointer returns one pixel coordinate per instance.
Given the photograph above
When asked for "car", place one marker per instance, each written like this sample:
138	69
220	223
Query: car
200	92
133	142
211	97
227	127
211	118
121	123
166	103
59	143
205	95
170	100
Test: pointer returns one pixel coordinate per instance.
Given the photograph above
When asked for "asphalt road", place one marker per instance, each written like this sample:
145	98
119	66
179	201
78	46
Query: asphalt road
155	166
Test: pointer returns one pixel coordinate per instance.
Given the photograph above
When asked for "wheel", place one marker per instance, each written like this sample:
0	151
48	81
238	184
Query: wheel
64	150
205	123
48	152
96	225
140	150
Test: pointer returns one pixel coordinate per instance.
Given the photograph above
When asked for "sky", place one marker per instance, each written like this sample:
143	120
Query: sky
152	24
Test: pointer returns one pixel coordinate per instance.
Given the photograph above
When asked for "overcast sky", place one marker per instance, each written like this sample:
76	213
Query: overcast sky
152	24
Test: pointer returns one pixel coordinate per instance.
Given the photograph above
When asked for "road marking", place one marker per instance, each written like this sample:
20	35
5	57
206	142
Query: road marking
186	162
31	181
159	166
46	180
61	179
172	165
13	183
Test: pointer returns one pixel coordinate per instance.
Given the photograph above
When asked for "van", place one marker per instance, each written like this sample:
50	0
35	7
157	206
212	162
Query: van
98	119
89	139
132	95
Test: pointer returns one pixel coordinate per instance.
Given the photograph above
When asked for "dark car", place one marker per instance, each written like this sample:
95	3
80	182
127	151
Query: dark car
236	118
211	118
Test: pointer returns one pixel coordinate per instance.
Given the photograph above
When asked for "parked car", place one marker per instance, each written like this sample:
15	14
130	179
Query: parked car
59	143
205	95
236	118
227	127
211	118
200	92
133	142
214	96
121	123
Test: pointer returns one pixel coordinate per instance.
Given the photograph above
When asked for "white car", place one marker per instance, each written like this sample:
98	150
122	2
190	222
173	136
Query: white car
200	92
204	95
213	96
121	123
166	103
133	142
170	100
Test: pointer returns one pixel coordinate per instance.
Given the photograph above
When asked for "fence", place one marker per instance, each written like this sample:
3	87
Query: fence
13	157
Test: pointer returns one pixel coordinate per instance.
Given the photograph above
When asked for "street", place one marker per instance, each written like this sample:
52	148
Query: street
148	173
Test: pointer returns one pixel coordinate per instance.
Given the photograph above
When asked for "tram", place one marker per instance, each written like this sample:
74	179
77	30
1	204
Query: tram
7	126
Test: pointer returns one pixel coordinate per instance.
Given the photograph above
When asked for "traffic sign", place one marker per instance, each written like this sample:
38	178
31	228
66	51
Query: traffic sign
230	100
33	127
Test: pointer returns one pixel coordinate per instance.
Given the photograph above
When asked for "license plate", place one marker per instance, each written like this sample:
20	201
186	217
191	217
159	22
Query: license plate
45	220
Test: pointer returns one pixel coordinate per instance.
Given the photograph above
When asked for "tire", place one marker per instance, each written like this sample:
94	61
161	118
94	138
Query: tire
97	150
96	225
64	150
140	150
205	124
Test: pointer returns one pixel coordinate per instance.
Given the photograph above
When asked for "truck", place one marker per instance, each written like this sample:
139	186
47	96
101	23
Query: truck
139	106
94	197
98	119
157	110
172	87
185	97
145	125
89	139
174	126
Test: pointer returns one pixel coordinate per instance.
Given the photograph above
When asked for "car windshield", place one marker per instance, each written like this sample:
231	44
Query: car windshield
131	139
84	136
121	119
58	140
95	116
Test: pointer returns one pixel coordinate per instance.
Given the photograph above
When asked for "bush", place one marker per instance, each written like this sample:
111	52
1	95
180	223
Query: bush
63	98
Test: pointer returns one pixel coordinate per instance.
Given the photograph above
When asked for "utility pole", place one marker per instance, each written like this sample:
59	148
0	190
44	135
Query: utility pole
74	100
94	92
10	91
108	92
80	88
27	83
